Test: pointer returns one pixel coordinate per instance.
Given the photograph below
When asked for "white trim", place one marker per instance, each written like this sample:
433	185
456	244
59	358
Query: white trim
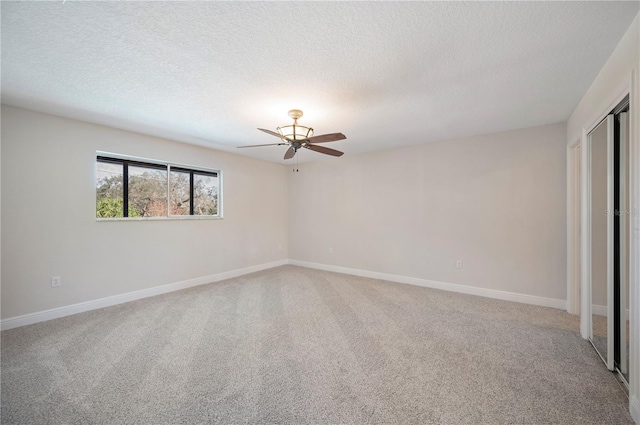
624	239
610	240
55	313
622	92
601	310
573	227
585	236
452	287
161	218
634	245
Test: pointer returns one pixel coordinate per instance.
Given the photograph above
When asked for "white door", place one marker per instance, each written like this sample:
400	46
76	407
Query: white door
601	238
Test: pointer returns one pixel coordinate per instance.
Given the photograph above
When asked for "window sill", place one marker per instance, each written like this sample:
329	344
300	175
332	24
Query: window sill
176	218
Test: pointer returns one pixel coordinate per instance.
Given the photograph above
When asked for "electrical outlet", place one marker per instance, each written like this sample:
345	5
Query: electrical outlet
330	250
458	264
55	281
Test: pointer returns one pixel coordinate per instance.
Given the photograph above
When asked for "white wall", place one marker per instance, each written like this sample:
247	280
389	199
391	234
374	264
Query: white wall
49	226
497	202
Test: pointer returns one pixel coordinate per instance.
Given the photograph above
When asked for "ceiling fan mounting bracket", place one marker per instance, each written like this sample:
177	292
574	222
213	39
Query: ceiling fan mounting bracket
295	113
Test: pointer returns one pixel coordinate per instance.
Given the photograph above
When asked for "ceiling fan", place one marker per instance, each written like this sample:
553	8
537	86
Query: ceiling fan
297	136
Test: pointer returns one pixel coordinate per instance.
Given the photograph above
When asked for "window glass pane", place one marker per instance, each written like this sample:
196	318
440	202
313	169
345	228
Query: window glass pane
205	194
147	192
108	190
179	182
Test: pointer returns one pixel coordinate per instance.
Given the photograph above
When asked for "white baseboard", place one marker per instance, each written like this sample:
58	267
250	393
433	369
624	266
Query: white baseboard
55	313
634	408
453	287
601	310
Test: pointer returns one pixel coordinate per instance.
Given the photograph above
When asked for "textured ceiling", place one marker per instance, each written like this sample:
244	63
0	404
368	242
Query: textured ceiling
386	74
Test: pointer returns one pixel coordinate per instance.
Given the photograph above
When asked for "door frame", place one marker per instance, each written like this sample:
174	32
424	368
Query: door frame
574	179
633	268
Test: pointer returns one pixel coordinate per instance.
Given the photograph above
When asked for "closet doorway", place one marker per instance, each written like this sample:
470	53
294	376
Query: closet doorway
608	240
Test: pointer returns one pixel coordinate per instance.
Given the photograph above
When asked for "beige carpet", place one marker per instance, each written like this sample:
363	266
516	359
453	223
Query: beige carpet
300	346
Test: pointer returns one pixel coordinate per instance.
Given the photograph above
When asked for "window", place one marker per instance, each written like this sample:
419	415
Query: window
130	188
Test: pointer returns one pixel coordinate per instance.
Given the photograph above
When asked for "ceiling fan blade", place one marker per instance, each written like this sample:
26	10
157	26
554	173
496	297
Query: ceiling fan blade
273	133
290	153
324	150
268	144
324	138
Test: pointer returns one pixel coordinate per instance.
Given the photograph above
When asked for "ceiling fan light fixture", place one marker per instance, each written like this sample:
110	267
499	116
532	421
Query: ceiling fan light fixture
295	131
